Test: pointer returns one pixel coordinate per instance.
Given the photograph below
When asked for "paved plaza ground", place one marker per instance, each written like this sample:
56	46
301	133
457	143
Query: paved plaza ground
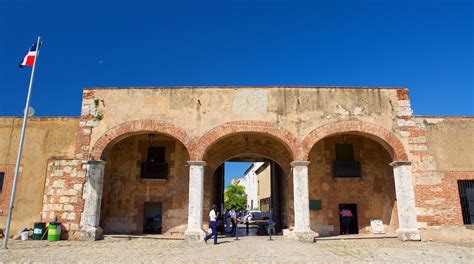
247	249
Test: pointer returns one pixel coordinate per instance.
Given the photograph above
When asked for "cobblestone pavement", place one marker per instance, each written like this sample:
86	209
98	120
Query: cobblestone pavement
247	249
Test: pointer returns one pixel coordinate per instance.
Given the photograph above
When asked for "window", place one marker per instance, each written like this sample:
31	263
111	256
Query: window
155	166
345	165
2	177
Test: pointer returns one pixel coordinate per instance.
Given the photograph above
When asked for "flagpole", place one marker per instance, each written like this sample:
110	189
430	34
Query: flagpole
20	147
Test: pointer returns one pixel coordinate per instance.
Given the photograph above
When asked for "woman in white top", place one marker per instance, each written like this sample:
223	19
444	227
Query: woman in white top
212	224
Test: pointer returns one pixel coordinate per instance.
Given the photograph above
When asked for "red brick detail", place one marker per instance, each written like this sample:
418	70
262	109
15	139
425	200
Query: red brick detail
88	94
6	192
381	135
247	126
446	212
137	127
402	94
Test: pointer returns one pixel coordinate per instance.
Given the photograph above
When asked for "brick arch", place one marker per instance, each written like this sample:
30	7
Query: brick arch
381	135
235	127
126	129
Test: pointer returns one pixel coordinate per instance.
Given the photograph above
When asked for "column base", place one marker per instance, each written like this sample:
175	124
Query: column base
194	235
408	234
305	236
91	233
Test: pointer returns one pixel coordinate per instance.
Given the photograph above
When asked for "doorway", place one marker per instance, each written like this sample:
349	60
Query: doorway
262	181
152	218
466	194
353	226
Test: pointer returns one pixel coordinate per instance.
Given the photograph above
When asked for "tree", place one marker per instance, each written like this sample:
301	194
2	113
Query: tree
235	197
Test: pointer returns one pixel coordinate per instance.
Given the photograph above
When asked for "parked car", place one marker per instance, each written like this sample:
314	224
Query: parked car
256	215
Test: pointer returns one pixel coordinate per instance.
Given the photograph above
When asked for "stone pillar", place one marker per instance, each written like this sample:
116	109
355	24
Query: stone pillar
92	196
196	201
408	226
301	201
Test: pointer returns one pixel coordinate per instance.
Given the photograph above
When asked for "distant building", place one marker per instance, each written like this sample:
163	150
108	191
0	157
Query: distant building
264	187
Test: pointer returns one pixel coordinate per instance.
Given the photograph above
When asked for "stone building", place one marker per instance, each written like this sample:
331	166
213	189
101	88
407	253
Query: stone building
150	160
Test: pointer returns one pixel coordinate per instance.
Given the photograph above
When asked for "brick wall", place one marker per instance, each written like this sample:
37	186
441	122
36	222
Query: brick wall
63	194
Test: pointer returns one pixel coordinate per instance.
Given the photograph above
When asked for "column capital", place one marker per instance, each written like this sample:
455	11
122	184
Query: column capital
299	163
196	163
400	163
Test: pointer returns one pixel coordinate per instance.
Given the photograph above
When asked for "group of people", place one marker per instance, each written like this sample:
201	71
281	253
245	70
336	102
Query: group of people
230	223
230	220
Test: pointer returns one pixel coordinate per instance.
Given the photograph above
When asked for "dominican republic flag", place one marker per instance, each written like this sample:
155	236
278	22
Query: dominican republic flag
29	59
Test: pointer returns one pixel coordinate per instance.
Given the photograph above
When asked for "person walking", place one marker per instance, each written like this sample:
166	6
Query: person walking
227	221
212	224
233	219
248	219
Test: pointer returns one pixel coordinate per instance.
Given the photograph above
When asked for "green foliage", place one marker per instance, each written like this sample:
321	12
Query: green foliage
235	197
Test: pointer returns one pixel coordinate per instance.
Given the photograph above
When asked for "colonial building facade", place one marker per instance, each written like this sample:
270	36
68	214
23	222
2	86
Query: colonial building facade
150	160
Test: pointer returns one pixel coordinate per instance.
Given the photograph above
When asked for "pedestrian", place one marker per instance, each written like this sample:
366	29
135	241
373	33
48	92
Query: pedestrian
248	218
212	224
227	221
346	217
233	219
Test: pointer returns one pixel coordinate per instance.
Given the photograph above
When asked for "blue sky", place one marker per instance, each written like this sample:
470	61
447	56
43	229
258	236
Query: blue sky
234	170
426	46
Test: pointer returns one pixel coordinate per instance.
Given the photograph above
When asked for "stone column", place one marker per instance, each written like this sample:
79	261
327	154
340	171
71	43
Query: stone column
92	196
301	201
408	226
196	201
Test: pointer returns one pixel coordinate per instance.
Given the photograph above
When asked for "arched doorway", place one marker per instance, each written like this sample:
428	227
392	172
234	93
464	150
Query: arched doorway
351	171
145	188
269	162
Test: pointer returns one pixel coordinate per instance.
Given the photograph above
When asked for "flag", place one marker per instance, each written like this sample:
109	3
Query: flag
29	59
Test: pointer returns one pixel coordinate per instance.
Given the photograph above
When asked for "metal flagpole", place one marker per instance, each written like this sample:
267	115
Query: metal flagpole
25	119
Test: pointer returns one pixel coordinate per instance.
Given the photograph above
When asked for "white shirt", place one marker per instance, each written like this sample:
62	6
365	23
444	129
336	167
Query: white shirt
233	214
212	216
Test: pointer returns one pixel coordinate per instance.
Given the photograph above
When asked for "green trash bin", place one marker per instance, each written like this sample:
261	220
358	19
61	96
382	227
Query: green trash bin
54	231
39	229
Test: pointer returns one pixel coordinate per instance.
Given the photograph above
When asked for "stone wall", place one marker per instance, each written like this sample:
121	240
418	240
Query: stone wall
374	192
62	200
443	153
45	138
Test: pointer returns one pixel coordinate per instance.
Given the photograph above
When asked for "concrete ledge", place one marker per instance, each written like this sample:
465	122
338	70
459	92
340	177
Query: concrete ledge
447	234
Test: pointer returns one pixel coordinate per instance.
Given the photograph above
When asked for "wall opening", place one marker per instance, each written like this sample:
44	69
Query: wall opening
466	195
146	186
152	216
261	179
348	219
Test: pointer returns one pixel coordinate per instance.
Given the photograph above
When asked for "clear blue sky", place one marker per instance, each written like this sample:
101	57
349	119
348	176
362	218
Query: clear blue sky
426	46
234	170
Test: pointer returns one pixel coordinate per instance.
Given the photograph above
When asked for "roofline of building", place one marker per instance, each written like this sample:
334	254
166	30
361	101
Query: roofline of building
249	86
249	168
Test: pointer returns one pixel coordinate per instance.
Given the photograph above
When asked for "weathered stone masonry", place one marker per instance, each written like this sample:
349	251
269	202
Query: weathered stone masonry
296	119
